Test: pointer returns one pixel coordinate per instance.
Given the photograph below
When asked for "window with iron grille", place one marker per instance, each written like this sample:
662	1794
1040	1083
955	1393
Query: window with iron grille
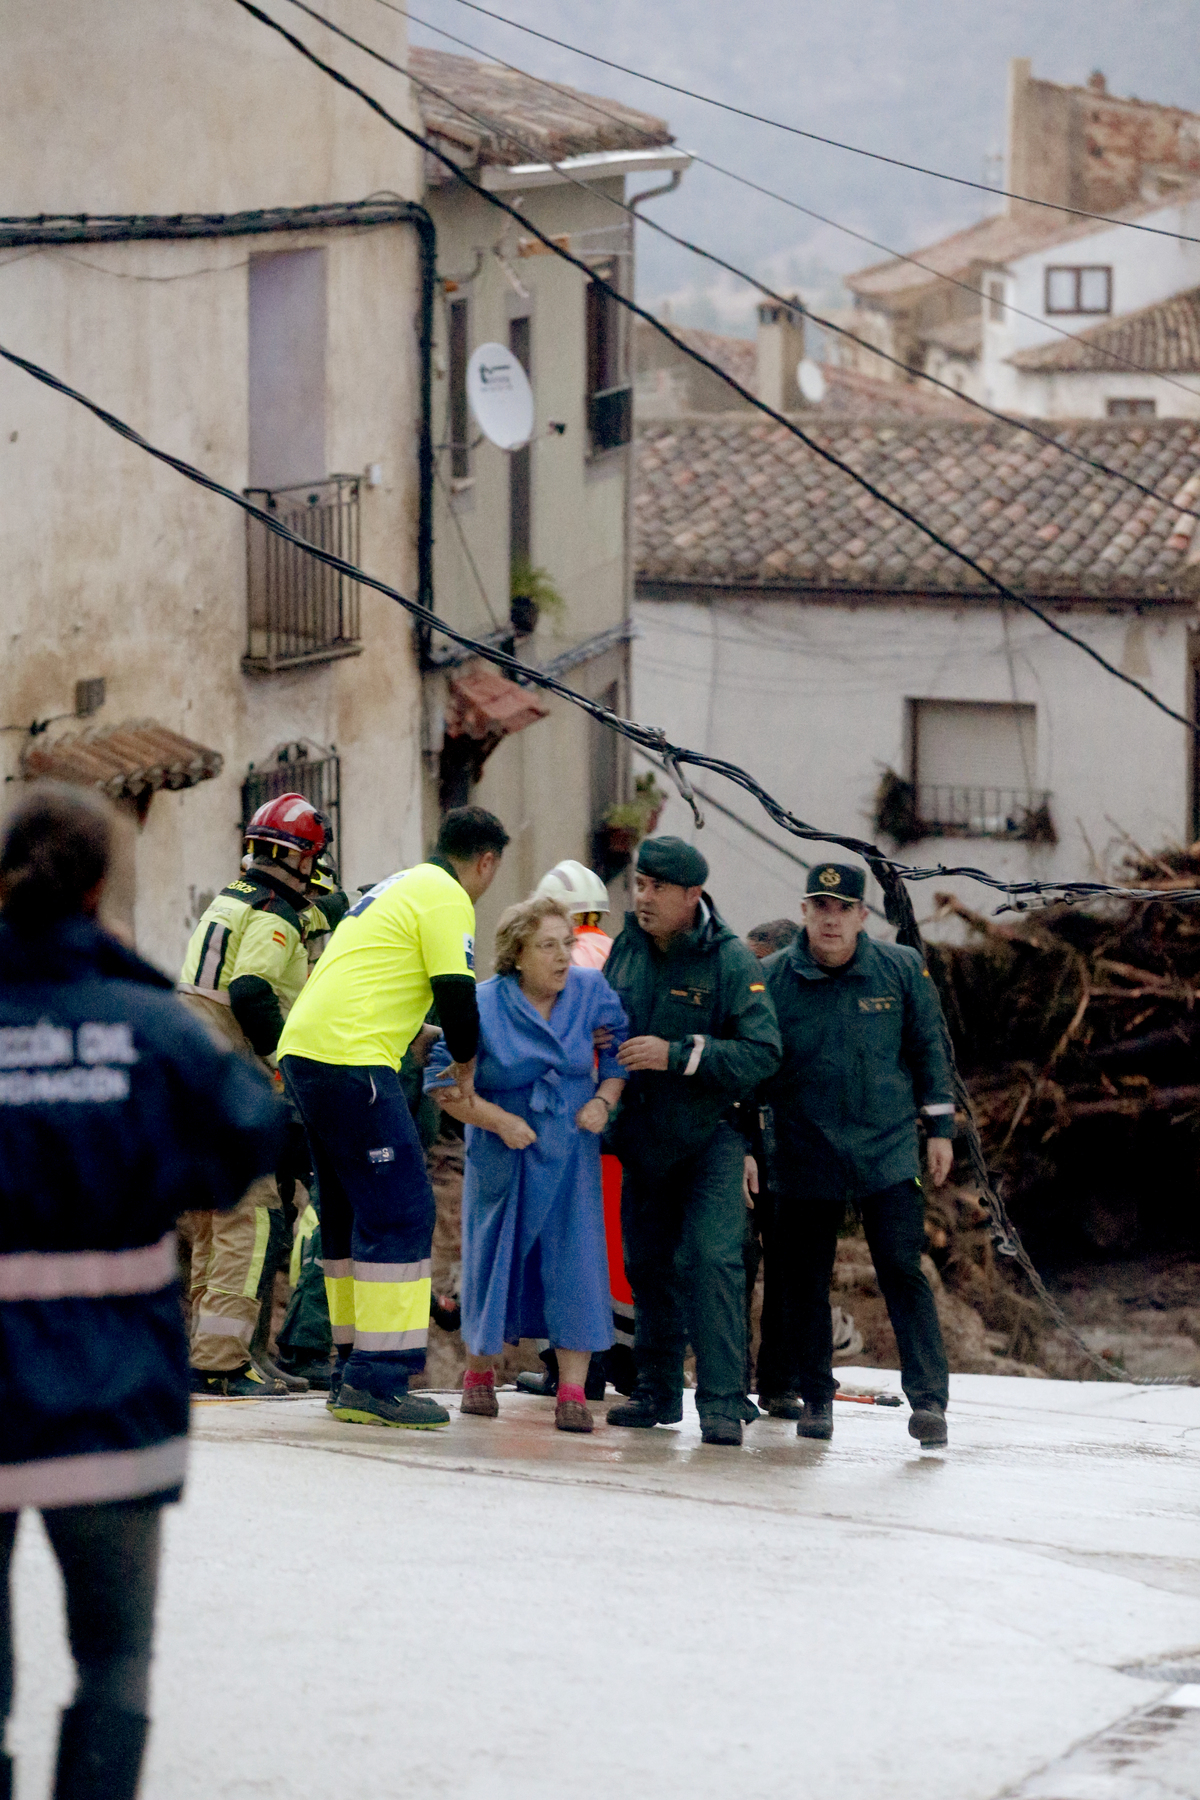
609	395
974	764
299	768
299	609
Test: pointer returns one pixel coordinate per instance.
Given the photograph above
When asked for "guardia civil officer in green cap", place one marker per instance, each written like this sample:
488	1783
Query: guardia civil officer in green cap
703	1037
863	1055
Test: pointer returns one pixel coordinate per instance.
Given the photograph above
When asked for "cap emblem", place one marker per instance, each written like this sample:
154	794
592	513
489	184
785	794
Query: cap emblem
829	878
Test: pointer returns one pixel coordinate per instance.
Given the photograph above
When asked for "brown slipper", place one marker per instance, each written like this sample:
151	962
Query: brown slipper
569	1415
480	1400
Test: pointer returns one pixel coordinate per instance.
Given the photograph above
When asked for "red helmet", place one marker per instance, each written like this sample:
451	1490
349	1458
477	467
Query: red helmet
292	821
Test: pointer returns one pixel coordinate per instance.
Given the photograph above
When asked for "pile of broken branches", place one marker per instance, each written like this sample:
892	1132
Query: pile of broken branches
1076	1032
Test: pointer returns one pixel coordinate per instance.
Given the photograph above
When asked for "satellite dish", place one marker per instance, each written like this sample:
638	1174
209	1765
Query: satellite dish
810	380
500	396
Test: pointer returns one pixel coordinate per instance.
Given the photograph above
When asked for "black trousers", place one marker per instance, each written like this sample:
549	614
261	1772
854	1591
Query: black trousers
799	1245
683	1233
109	1558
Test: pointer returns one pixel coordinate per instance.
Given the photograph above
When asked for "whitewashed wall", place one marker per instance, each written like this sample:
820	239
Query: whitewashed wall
810	699
112	565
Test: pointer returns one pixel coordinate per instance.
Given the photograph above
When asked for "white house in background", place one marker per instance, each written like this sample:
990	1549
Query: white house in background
1139	365
790	623
972	308
243	307
561	504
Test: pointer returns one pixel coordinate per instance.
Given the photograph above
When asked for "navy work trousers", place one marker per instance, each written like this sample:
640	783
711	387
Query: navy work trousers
377	1214
684	1230
800	1235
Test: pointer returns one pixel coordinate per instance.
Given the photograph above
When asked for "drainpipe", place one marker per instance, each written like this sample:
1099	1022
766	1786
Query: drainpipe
427	241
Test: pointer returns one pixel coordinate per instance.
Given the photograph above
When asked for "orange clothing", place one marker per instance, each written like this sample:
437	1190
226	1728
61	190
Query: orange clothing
591	947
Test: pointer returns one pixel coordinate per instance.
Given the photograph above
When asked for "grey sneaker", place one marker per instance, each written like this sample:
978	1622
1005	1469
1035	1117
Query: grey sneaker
354	1407
928	1425
815	1421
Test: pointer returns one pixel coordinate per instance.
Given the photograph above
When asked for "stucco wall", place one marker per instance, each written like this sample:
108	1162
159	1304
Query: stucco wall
112	565
810	699
537	781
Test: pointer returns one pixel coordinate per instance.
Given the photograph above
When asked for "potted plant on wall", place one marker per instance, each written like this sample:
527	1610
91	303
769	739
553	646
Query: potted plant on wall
532	593
625	825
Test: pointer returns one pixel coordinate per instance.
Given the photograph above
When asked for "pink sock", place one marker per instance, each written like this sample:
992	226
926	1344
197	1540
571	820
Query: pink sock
567	1390
479	1378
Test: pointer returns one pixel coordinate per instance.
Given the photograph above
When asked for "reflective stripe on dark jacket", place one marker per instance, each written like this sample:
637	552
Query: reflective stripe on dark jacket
863	1052
706	995
117	1113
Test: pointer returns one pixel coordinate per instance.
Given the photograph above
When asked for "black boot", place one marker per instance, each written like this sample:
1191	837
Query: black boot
816	1419
99	1753
644	1409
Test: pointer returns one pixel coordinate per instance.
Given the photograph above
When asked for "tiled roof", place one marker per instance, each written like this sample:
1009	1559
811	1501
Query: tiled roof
992	242
560	121
846	391
126	762
735	499
1161	339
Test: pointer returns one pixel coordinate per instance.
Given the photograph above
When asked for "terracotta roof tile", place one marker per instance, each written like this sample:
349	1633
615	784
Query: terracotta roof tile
560	121
1161	339
126	762
733	491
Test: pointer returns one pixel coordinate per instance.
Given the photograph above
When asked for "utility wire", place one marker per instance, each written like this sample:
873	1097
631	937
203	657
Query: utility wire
720	262
789	425
649	739
814	137
890	875
593	105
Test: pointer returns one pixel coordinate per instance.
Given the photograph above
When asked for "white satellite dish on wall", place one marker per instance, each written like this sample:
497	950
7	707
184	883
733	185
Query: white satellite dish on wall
500	396
810	380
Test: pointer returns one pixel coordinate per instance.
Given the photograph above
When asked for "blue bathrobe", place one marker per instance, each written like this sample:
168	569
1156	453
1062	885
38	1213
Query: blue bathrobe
534	1257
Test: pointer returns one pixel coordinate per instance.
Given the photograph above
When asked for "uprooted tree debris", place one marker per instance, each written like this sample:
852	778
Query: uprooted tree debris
1078	1037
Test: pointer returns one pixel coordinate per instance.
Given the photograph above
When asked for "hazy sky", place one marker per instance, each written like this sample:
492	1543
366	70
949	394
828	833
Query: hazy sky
921	79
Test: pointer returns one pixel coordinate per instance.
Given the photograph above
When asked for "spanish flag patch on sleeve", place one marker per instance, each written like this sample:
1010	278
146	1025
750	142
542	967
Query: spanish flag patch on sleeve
758	987
277	937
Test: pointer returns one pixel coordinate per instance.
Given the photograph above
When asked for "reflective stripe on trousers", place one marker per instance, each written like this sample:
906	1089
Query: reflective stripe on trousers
228	1253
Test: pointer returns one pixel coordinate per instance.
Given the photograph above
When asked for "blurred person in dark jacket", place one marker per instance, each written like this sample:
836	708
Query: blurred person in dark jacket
117	1113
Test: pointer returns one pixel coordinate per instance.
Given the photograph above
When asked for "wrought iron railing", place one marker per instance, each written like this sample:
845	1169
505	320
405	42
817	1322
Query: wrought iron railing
299	768
944	810
299	610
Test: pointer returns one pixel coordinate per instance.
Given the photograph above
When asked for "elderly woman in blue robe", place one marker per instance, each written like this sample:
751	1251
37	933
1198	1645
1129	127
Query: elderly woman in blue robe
534	1257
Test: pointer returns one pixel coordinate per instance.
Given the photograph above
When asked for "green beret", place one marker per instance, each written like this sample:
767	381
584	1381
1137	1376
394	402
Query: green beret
839	881
670	859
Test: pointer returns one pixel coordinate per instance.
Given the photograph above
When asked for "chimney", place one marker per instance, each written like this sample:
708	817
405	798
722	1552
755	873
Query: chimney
778	348
1018	175
1097	83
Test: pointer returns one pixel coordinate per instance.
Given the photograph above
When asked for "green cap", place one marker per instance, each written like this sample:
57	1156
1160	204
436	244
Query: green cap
838	881
670	859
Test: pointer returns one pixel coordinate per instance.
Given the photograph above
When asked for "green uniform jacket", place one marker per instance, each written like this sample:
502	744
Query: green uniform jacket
863	1052
707	996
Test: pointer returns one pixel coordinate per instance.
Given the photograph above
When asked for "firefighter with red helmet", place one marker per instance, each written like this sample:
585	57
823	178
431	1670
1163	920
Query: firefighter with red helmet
245	965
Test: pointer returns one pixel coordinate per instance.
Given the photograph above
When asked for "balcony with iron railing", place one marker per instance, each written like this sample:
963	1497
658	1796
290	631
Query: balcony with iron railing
298	609
945	810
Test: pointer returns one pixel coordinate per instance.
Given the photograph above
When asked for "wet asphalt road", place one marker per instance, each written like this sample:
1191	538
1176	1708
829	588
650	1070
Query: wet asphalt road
499	1611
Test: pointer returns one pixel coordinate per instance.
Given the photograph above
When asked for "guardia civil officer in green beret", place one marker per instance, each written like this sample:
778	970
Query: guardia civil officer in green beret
703	1038
863	1055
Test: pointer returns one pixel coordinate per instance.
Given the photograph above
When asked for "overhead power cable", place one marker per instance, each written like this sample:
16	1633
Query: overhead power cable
720	262
781	419
890	875
706	162
814	137
648	738
781	299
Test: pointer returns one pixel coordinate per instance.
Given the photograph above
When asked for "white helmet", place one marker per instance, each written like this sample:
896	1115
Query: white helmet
580	890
